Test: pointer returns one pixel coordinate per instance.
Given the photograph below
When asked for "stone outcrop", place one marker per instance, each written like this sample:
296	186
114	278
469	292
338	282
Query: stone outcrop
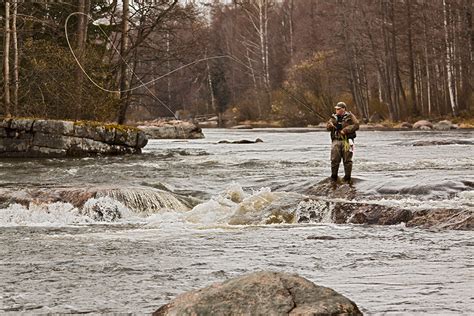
376	214
261	293
171	130
318	209
29	137
423	124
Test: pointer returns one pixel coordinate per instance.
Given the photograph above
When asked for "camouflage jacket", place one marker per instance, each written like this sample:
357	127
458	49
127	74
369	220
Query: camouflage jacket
347	123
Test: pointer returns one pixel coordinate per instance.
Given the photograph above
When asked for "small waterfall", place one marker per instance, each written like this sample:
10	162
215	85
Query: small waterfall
103	209
144	200
315	211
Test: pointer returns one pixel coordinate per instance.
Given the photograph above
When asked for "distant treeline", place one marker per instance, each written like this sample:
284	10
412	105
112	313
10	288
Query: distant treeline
287	60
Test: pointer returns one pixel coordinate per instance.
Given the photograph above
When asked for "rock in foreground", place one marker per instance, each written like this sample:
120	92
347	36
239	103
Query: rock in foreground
261	293
28	137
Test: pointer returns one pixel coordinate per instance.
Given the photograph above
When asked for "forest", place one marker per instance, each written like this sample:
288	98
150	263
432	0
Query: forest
288	61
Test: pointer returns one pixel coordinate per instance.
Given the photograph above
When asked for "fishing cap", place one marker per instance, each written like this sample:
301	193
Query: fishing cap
340	105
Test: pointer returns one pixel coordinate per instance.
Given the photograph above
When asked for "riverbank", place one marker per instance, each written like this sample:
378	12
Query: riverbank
461	123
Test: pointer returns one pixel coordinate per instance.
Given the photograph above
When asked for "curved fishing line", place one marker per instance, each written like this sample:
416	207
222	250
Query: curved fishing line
133	72
139	86
142	84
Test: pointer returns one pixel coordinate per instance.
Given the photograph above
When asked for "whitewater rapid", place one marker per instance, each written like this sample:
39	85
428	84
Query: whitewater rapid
188	213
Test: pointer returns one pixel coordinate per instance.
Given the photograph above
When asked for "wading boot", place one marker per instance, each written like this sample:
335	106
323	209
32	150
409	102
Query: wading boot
347	173
334	171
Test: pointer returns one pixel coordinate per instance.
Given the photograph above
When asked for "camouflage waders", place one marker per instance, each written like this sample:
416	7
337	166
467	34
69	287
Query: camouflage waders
343	129
338	152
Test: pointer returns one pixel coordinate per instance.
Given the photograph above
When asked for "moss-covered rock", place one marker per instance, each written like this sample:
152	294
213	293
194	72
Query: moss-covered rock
30	137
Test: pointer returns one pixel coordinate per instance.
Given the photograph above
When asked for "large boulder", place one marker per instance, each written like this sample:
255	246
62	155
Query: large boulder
444	125
423	125
27	137
261	293
171	130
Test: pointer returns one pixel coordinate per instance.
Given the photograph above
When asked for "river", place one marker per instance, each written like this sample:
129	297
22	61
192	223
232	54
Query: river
56	258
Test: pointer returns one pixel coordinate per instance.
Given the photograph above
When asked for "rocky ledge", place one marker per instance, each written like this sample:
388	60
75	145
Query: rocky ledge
29	137
261	293
171	130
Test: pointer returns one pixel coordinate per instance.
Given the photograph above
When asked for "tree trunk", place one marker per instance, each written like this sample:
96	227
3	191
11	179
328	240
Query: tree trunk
16	80
291	6
124	68
449	62
411	61
80	41
427	62
6	61
211	89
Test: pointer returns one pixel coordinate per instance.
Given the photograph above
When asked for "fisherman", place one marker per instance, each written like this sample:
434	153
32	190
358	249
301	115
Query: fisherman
343	126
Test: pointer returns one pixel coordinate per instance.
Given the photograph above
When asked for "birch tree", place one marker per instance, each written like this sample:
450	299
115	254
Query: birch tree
6	60
449	60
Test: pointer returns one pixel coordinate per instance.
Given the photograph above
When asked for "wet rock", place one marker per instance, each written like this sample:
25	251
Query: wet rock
53	138
442	142
242	141
423	125
443	219
331	189
141	200
371	214
321	237
445	125
261	293
406	125
171	130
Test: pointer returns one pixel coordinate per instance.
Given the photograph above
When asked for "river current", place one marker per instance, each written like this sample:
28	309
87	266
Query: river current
211	223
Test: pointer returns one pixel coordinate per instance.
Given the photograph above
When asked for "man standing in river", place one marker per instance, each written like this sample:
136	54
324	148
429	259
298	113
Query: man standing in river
343	126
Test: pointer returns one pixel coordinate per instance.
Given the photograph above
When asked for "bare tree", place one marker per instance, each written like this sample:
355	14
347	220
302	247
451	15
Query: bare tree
449	61
80	48
124	67
16	80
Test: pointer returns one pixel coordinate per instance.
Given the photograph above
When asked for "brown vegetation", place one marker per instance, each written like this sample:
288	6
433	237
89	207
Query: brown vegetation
261	60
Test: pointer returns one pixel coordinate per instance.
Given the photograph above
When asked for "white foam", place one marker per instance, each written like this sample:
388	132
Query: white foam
61	214
462	200
56	214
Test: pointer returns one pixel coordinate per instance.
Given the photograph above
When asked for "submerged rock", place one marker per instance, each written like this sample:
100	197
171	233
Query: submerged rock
442	142
242	141
261	293
24	137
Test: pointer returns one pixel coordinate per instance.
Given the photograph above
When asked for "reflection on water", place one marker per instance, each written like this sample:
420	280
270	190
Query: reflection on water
56	259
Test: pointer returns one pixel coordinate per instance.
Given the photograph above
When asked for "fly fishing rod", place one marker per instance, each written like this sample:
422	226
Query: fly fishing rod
303	103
